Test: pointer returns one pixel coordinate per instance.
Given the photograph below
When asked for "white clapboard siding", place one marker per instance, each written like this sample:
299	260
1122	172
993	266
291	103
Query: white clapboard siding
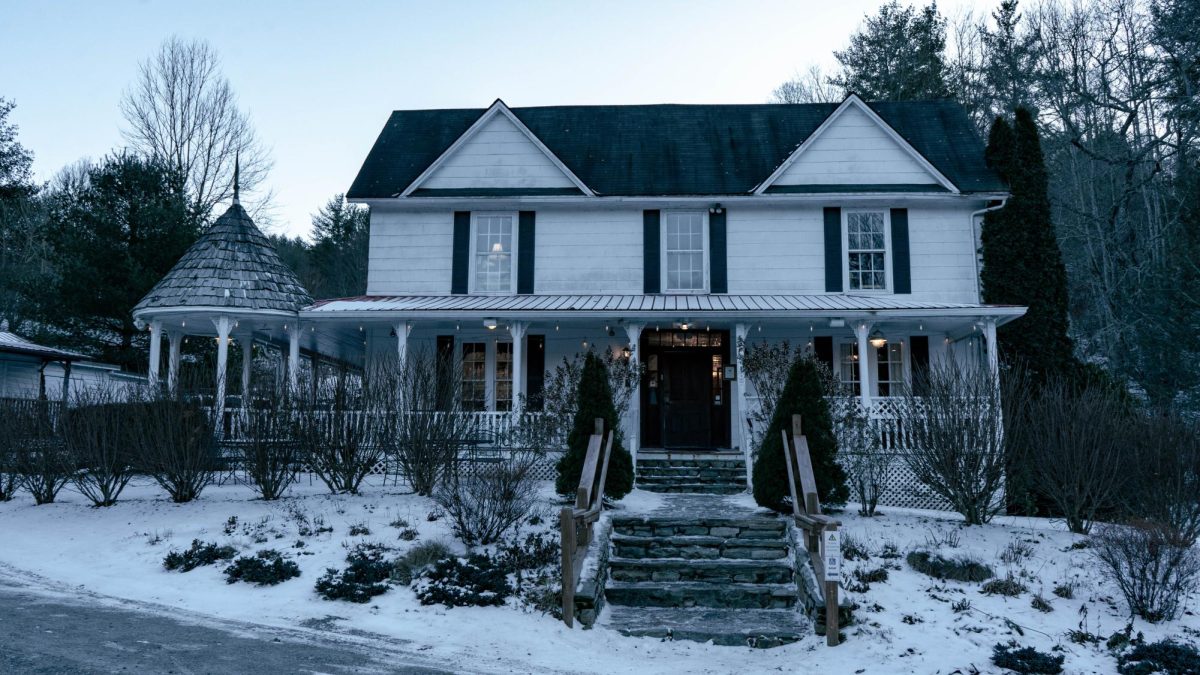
410	252
942	254
589	251
776	250
855	150
499	155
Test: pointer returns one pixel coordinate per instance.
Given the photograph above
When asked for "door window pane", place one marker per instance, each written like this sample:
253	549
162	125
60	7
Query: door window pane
474	376
504	376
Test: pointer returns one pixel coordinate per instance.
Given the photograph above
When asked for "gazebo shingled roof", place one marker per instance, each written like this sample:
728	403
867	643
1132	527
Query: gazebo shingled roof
232	265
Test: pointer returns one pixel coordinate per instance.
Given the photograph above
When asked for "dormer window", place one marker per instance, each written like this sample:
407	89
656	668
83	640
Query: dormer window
684	244
866	250
493	260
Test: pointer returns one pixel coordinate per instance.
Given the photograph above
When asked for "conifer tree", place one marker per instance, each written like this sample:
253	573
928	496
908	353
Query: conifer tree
803	395
1022	263
595	400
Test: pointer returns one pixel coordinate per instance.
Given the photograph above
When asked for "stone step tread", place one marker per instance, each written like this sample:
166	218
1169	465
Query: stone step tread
701	594
754	522
689	470
695	488
619	539
726	627
690	480
701	563
692	463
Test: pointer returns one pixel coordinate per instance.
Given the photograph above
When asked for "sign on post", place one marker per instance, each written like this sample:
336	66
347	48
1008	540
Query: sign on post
833	555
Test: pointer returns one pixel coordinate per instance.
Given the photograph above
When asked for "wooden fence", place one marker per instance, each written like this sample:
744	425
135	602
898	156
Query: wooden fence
576	524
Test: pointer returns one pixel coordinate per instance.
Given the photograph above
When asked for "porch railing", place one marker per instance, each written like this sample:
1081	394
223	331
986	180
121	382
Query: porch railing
576	524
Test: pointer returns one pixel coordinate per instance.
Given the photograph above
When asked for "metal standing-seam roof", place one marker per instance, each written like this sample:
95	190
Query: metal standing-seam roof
15	344
231	265
663	150
634	304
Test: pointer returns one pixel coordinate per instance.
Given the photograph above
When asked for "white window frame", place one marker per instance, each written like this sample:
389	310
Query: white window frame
516	226
873	365
704	254
888	265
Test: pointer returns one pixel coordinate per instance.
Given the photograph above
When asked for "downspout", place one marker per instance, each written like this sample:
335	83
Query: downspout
977	240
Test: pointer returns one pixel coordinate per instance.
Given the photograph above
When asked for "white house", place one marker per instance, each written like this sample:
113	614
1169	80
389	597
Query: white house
513	237
32	371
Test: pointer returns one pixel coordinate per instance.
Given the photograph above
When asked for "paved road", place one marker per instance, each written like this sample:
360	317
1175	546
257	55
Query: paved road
43	633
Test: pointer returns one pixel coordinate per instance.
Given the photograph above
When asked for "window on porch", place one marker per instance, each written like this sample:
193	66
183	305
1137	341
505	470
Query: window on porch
848	367
889	362
474	376
504	376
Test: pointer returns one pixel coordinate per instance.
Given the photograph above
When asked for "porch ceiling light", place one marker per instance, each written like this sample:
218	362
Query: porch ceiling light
684	325
877	339
489	324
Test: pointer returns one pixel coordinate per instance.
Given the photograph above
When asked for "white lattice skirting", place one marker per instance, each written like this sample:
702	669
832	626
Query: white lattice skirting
901	487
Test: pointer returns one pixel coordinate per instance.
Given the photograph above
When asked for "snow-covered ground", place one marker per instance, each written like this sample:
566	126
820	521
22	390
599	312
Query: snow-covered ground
904	625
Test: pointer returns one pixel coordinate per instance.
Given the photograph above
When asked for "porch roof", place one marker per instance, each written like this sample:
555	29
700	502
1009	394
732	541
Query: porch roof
15	344
650	306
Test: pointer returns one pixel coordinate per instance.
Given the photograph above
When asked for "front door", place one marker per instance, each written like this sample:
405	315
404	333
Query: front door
687	412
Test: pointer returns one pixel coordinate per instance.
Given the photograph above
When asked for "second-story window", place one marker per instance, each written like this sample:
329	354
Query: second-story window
683	248
866	250
493	260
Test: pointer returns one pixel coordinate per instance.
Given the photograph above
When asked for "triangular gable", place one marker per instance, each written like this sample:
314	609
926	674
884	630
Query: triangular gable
497	152
855	146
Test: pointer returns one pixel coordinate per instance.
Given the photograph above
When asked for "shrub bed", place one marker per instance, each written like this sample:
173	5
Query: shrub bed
200	553
1026	659
265	568
462	582
955	568
365	577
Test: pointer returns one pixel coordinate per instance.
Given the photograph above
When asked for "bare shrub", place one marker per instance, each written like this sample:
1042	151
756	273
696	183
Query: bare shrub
557	404
860	452
338	432
766	365
486	501
1072	445
1164	473
269	452
11	410
173	443
429	426
97	435
954	420
40	463
1150	567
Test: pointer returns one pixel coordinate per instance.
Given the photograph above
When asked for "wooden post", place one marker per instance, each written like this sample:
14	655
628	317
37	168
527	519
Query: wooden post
566	524
831	606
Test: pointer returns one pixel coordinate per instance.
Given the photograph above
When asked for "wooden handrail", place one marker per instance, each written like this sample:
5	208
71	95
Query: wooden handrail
575	524
807	514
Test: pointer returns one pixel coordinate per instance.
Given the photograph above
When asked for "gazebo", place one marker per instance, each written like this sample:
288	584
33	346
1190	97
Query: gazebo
230	284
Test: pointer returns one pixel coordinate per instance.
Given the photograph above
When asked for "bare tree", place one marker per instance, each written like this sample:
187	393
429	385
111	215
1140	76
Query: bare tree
954	420
811	86
182	110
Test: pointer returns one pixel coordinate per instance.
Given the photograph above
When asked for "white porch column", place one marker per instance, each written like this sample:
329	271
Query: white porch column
633	419
223	325
518	330
402	328
247	360
174	340
861	331
155	351
293	362
993	350
740	332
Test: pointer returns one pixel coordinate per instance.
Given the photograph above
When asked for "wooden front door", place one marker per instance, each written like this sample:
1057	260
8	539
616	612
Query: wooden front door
686	415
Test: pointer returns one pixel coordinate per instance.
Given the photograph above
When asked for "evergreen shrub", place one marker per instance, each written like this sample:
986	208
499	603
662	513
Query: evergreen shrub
595	400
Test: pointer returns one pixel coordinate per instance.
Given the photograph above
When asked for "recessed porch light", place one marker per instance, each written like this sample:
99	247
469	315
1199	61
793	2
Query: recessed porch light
489	324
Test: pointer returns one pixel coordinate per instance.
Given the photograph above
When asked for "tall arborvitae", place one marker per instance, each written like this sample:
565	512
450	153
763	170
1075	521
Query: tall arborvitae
595	400
803	395
1022	263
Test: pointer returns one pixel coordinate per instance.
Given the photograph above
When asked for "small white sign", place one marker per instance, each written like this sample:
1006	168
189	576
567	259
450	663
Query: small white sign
833	555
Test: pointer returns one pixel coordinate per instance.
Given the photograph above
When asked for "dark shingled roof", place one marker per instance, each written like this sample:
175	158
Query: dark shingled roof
234	256
673	149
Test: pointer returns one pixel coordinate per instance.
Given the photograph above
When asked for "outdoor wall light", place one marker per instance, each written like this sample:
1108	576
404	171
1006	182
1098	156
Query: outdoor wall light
877	339
627	352
489	324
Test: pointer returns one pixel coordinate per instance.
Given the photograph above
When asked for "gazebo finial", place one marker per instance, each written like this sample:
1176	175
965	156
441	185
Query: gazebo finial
236	176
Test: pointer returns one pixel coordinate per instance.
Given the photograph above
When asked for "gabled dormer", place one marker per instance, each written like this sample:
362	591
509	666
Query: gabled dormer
497	155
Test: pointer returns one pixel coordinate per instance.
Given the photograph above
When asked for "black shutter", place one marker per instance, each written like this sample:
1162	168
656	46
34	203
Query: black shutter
919	358
901	269
833	249
823	349
535	371
525	244
651	275
461	262
445	371
717	268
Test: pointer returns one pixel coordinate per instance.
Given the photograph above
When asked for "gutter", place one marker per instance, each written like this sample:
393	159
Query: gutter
977	240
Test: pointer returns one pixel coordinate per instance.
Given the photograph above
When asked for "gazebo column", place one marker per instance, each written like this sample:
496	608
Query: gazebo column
861	331
223	325
155	352
518	330
247	362
740	331
174	341
293	361
633	420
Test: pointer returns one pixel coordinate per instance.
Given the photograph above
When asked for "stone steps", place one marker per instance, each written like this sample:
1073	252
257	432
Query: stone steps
753	527
665	472
682	463
692	474
715	571
701	594
737	627
696	488
701	547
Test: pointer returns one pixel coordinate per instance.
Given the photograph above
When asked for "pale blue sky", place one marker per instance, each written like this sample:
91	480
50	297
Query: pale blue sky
319	79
